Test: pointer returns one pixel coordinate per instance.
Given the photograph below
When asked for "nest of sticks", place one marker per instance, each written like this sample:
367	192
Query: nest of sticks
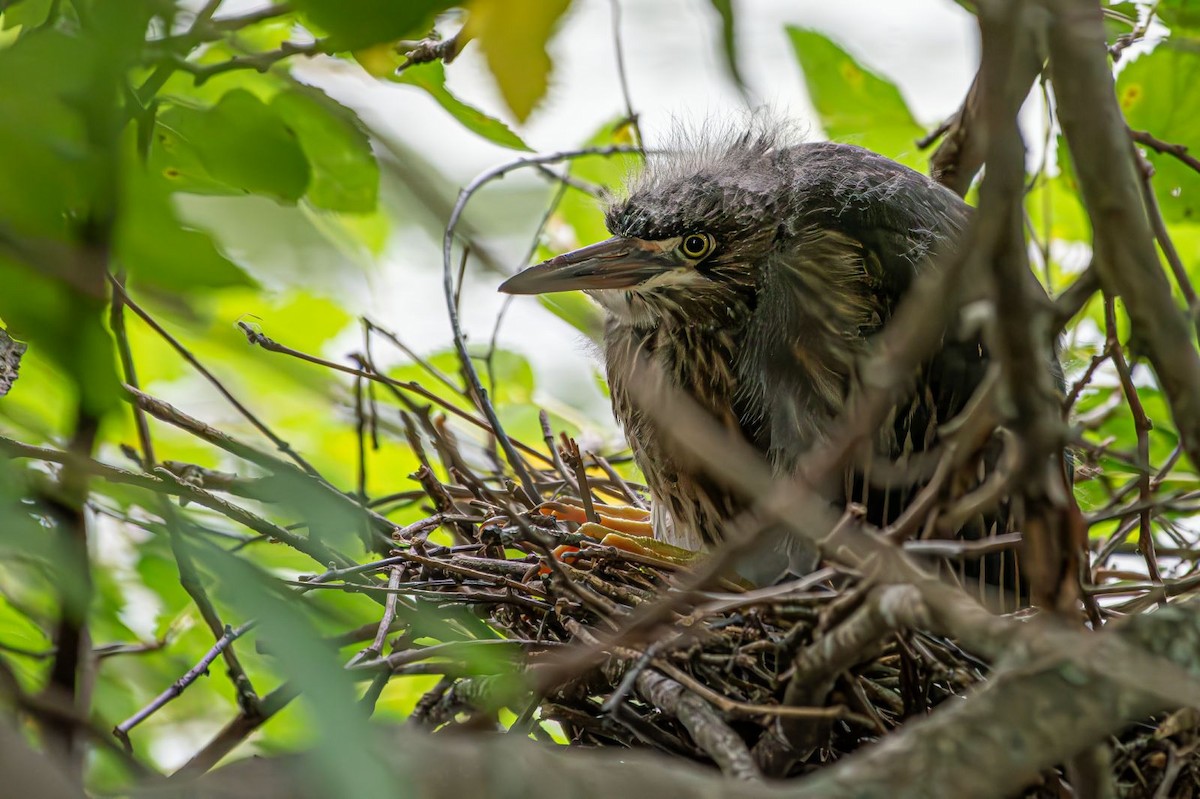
620	648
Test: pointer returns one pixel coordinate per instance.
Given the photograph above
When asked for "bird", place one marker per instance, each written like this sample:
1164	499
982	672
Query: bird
754	271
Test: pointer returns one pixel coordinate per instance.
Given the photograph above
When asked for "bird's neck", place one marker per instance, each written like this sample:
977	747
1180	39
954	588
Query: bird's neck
699	358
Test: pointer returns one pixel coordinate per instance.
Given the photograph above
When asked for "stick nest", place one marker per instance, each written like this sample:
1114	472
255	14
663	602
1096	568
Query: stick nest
622	654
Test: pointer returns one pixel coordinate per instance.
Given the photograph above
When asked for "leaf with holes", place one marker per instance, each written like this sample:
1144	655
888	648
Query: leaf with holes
1158	94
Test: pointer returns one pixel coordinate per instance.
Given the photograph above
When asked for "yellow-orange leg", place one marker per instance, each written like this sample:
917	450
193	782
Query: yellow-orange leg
620	527
618	518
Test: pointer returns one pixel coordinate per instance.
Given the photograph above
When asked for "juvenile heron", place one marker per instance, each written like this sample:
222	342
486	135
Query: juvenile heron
754	273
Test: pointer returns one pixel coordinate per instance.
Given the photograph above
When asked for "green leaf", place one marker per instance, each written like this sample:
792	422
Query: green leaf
513	36
1056	212
582	212
158	572
16	629
43	402
513	376
152	243
855	105
353	24
65	324
729	38
1054	204
26	14
181	88
345	174
46	174
1181	16
21	535
432	78
238	146
579	220
1158	94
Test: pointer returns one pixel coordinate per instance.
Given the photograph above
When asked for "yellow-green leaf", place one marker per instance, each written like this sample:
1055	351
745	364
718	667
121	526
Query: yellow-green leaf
353	24
345	174
238	146
513	36
856	105
1158	94
432	78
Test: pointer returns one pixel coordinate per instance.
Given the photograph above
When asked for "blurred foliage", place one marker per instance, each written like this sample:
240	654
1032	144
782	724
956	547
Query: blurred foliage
513	35
432	78
1181	16
853	103
724	9
118	121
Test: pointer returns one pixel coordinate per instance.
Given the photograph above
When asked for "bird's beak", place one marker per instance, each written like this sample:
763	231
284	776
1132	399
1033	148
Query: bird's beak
614	263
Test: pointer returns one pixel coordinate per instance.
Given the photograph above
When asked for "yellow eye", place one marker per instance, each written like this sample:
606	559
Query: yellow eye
697	245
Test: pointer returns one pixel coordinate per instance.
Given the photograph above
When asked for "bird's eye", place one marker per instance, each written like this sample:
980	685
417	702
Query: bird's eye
697	245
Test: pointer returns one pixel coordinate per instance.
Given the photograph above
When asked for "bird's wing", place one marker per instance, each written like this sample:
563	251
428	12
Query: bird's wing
865	227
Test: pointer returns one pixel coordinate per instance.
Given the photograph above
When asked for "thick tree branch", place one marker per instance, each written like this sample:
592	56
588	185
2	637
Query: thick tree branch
960	156
1126	261
1064	689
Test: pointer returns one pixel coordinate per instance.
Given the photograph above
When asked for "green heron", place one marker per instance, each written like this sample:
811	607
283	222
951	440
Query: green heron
754	273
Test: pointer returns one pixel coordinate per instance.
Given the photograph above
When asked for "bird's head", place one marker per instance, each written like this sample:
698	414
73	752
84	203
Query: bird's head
690	234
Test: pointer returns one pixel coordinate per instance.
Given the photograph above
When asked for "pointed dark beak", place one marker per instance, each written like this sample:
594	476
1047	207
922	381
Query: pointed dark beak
614	263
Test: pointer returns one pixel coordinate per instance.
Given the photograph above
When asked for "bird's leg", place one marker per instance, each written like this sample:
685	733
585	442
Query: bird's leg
615	518
621	527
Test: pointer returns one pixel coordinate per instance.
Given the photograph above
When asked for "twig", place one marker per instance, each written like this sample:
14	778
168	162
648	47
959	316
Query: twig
631	118
168	413
259	62
619	481
189	40
251	17
559	466
460	344
236	731
1136	35
1179	151
559	193
180	685
189	576
270	345
1163	237
425	365
431	49
575	461
385	624
1142	426
163	482
191	359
